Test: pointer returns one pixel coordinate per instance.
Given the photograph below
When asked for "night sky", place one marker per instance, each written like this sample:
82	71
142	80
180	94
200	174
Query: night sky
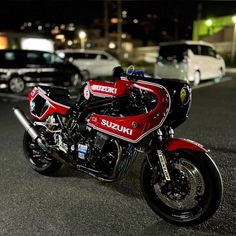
13	13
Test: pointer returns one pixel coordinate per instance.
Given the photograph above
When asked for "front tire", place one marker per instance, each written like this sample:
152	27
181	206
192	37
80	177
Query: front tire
37	159
194	193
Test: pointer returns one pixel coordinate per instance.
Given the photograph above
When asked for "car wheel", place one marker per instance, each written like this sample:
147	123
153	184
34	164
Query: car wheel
85	74
16	84
220	73
196	78
76	80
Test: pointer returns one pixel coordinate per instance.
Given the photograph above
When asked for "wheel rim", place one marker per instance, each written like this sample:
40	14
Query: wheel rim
16	85
197	78
185	189
35	155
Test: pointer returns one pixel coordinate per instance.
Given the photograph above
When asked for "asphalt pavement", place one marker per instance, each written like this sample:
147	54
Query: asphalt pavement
72	203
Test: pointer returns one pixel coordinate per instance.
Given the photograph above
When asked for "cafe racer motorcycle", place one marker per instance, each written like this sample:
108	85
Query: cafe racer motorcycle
114	123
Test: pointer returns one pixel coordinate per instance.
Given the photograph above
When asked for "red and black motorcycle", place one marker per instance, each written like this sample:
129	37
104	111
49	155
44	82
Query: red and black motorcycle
110	125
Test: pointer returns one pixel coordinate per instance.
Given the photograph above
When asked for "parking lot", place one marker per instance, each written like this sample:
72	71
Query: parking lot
72	203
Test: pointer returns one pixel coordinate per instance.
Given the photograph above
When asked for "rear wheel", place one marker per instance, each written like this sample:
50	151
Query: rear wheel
37	159
194	192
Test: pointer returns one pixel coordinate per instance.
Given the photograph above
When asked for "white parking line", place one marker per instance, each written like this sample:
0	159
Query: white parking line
212	83
14	96
24	98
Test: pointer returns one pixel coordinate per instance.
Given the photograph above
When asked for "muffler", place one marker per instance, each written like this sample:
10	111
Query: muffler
30	128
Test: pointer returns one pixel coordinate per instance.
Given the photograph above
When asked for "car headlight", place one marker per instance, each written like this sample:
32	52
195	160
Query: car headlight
185	94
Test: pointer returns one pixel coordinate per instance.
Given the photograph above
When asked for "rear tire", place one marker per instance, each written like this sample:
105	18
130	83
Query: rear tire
37	159
194	193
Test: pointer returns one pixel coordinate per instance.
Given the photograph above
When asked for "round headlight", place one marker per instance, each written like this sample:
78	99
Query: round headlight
184	95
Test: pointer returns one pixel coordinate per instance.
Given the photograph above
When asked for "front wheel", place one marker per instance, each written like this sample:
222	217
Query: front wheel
194	192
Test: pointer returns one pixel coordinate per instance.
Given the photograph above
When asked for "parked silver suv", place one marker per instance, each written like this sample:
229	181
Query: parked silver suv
92	63
189	60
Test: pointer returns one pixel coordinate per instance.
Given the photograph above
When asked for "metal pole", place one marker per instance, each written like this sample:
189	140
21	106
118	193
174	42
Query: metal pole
119	29
233	45
106	23
82	43
199	17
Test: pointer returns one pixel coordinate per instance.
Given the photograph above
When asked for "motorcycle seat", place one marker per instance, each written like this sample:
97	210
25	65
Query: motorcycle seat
64	101
61	95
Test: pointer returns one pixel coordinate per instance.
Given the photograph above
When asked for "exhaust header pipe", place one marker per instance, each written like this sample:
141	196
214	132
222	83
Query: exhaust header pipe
33	132
30	129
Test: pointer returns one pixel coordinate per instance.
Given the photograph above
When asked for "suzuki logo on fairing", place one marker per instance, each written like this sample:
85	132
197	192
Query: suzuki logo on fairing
117	127
104	89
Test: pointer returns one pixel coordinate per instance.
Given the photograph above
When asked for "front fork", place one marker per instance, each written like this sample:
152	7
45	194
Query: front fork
163	162
172	144
161	155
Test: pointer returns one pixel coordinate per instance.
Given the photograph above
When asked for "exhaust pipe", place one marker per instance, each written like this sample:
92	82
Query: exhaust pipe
33	132
30	128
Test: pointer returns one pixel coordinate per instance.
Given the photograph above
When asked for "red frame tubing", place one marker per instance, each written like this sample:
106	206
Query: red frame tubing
175	144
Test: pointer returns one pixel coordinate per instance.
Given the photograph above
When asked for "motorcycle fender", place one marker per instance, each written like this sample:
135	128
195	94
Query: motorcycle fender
175	144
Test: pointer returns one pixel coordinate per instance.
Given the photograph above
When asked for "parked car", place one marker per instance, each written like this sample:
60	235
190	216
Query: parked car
92	63
26	68
189	60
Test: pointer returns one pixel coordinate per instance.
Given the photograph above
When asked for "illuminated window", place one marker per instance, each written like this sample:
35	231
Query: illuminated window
10	56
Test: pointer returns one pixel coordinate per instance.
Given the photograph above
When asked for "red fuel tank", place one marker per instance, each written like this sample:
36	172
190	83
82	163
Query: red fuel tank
130	128
108	89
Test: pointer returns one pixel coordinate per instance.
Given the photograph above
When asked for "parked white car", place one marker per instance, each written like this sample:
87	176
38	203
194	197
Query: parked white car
193	61
92	63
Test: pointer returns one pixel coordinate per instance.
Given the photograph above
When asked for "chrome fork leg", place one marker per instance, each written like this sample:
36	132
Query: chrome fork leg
163	162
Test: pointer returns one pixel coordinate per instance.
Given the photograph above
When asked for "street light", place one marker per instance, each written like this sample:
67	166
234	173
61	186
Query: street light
209	24
234	40
82	36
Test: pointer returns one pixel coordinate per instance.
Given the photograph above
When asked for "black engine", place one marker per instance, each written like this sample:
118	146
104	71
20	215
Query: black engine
96	150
